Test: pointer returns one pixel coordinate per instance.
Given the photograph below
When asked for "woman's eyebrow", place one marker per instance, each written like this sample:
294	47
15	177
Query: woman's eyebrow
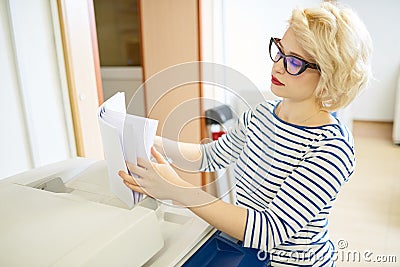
289	53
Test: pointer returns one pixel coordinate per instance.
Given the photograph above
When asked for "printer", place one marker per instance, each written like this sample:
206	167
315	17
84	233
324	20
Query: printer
64	214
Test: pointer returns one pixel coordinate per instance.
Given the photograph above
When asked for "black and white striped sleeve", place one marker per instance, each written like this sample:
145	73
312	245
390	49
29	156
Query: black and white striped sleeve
222	152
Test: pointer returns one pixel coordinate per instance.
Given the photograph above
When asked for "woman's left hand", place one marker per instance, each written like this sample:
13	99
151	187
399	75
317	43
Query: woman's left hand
158	180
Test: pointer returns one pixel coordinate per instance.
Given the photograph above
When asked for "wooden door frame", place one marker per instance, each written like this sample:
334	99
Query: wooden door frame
83	73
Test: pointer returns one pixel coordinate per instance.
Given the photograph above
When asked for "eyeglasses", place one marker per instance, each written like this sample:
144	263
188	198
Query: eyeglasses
293	64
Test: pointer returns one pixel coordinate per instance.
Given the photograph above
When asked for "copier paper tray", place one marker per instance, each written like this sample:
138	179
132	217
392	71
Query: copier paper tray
221	250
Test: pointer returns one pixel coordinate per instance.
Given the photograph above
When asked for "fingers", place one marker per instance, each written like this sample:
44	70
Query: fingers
136	169
131	182
146	163
127	178
135	188
157	155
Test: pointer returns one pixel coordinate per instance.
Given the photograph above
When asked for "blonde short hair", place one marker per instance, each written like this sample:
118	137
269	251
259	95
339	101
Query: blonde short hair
338	41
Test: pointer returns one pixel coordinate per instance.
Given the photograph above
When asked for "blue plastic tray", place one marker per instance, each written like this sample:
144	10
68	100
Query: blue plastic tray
221	250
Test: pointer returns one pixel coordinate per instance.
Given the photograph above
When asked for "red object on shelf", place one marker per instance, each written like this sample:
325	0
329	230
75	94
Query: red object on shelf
216	135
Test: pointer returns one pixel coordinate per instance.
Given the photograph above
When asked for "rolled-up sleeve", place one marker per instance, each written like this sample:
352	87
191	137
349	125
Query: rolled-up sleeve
224	151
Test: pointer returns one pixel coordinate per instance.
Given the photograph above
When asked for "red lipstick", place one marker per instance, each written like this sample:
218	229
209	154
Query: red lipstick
275	81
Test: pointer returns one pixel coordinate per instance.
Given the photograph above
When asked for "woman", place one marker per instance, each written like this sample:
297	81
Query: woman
292	156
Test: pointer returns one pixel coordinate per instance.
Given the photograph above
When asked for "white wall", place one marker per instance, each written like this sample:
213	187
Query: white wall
36	127
13	155
241	32
382	19
246	29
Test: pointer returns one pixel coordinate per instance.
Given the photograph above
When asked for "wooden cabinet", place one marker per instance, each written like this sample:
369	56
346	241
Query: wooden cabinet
170	36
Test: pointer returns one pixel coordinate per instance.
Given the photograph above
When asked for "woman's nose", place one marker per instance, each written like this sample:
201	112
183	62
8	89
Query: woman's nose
279	67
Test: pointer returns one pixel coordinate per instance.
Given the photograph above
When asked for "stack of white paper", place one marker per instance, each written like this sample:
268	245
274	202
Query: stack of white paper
125	138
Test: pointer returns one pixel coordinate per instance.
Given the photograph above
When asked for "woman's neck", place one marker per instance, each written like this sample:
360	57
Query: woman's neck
306	112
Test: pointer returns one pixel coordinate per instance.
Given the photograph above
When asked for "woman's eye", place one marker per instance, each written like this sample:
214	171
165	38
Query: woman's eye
294	61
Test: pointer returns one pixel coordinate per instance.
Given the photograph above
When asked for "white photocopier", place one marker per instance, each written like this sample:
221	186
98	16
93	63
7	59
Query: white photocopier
64	214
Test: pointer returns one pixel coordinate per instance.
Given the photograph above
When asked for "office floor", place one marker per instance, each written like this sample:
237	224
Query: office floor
365	221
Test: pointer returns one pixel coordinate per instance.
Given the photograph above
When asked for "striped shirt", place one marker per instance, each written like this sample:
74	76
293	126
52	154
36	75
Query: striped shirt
288	177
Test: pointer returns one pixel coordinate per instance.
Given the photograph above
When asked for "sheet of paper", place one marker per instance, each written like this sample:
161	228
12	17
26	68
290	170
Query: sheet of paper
115	162
138	137
125	137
